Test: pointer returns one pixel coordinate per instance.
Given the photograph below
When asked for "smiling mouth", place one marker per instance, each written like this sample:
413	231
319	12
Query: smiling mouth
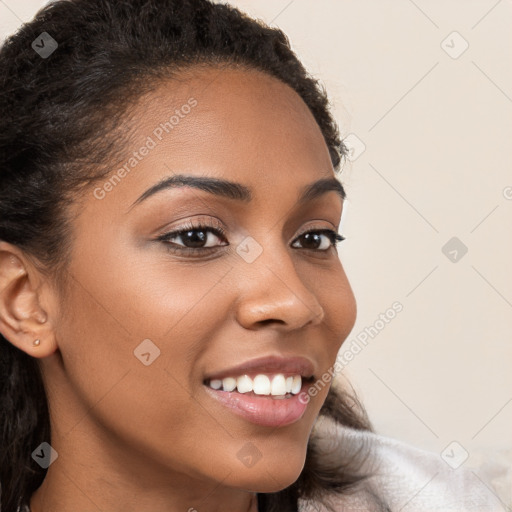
272	385
269	404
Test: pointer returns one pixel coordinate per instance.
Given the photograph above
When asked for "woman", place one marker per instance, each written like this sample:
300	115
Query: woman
172	301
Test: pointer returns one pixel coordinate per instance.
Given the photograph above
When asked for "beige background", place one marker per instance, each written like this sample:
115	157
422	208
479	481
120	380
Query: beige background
437	132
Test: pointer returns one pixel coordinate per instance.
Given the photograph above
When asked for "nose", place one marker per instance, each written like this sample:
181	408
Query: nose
271	291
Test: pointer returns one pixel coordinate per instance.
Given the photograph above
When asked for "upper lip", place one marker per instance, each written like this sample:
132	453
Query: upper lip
292	365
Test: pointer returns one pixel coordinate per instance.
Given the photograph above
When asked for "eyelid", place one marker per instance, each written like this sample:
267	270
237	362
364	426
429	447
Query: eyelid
216	225
210	223
220	232
315	228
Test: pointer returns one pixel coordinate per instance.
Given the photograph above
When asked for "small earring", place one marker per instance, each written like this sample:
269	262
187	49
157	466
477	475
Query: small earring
36	343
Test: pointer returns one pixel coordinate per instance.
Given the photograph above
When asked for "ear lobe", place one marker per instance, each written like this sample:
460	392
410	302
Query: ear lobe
22	319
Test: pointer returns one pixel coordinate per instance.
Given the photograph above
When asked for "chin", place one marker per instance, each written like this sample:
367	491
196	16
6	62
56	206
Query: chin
275	474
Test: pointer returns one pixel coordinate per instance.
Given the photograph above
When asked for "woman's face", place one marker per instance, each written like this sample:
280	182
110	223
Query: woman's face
147	319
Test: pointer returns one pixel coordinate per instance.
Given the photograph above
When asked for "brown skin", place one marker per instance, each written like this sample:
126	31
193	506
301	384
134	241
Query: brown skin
149	438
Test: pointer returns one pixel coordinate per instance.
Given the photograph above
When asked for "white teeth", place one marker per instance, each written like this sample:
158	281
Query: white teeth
279	386
216	384
244	384
296	384
229	384
261	385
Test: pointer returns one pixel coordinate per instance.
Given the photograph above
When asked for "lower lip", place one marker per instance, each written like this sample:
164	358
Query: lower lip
263	410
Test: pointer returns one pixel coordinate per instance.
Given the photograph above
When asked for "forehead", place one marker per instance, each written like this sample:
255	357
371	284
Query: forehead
237	124
239	115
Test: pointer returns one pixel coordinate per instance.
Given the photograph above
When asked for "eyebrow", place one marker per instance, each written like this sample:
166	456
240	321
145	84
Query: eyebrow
237	191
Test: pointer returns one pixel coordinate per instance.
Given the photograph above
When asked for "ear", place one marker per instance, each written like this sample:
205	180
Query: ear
22	318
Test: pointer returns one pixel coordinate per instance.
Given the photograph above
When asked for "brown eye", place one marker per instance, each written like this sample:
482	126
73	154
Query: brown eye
200	240
320	240
193	238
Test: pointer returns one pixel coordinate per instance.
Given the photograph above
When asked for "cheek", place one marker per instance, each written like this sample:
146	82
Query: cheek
344	297
151	406
333	291
346	300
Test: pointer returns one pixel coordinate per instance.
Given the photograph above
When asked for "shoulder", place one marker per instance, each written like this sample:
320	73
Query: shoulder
408	478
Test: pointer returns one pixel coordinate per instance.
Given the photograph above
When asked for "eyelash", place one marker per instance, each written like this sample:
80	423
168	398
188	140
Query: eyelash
218	231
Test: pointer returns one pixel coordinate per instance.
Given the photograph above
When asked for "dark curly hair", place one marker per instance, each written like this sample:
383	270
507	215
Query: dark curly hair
63	120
